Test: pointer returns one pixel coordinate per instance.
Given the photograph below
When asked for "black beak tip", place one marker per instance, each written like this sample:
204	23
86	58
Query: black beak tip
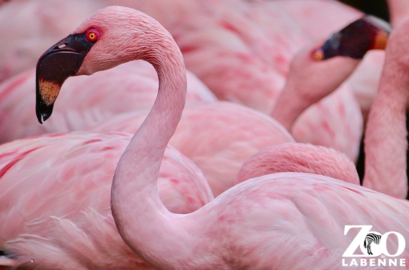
43	112
61	61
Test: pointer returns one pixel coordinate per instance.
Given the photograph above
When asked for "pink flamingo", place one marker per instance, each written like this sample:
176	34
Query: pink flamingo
318	24
55	166
129	87
260	223
271	160
364	81
267	215
303	88
367	33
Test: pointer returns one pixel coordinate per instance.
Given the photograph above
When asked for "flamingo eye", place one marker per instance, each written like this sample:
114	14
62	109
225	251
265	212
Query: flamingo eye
92	35
318	55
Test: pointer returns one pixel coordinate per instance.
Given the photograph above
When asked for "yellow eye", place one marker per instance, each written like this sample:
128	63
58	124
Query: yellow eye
92	36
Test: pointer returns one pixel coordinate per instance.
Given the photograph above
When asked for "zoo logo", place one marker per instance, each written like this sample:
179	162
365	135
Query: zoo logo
365	239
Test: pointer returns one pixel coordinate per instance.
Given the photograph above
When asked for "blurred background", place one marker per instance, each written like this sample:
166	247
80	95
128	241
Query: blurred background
373	7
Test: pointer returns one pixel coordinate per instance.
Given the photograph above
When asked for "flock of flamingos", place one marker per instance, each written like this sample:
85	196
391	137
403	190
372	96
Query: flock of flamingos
209	134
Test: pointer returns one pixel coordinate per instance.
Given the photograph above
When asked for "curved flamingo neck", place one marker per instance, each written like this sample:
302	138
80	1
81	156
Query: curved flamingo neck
141	219
289	106
385	137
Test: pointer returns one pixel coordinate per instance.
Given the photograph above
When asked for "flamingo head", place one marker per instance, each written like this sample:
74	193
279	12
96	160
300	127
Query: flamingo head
112	36
367	33
334	59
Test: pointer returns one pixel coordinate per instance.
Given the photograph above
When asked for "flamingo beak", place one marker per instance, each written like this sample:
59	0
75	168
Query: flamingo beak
356	39
61	61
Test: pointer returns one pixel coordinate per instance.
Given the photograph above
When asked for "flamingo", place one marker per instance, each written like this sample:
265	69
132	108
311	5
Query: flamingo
303	88
352	41
284	220
77	168
317	24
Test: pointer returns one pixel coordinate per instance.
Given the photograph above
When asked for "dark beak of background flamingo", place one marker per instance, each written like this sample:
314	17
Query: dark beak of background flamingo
61	61
356	39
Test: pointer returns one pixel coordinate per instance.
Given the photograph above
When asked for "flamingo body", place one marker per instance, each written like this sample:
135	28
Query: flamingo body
297	157
341	107
57	187
218	137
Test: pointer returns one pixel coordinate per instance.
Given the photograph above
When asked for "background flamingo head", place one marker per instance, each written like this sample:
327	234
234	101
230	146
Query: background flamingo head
335	58
313	80
356	39
112	36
